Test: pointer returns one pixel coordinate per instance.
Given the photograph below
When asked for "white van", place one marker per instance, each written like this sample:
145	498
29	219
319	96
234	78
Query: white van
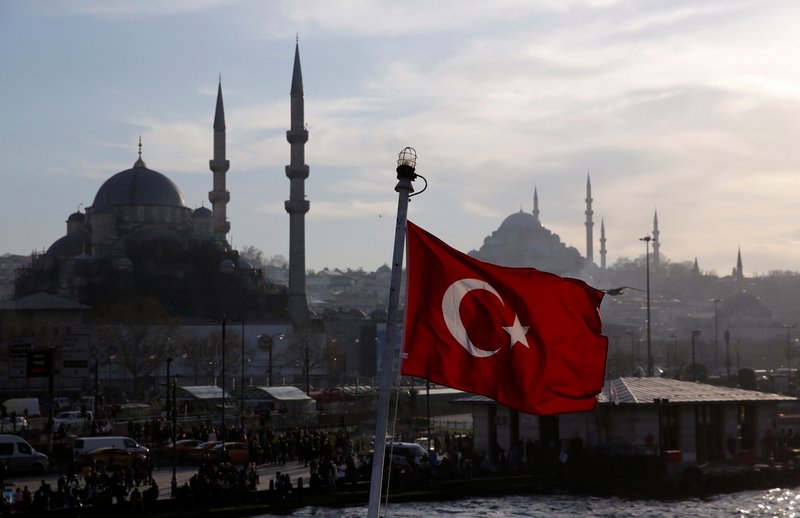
26	406
20	456
85	445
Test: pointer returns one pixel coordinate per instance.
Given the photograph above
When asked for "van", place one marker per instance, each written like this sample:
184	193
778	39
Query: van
20	456
85	445
27	406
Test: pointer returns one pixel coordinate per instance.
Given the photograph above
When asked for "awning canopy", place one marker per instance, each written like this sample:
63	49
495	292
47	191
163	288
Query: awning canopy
205	392
282	393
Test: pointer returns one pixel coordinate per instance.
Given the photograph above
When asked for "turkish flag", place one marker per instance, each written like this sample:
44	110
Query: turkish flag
528	339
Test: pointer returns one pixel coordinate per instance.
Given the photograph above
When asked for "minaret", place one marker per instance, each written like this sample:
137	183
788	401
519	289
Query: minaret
656	241
738	273
297	205
219	197
535	204
589	222
602	244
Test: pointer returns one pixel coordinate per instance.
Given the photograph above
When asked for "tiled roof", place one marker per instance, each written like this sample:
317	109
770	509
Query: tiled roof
645	390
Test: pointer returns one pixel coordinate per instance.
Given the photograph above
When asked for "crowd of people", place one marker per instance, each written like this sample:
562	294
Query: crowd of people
335	461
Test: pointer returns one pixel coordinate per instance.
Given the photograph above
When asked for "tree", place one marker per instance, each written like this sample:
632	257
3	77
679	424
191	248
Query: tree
139	333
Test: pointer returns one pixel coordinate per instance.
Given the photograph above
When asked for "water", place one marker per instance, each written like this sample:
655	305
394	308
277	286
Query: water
762	503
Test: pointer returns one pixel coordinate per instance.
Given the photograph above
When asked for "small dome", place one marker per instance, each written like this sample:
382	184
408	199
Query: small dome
74	243
244	264
202	212
139	186
77	216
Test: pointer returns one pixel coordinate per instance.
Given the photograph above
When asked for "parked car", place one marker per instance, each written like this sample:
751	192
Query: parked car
73	419
19	456
237	453
182	448
201	451
109	458
85	445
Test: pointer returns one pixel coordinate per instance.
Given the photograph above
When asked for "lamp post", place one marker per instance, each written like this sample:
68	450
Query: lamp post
166	407
166	387
633	353
788	353
647	240
674	363
694	362
270	341
716	301
241	384
406	166
174	432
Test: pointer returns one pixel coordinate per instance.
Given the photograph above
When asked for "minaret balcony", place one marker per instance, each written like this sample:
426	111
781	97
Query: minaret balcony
297	136
219	196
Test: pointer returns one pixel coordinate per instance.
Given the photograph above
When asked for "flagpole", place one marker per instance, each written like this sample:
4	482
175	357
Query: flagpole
406	164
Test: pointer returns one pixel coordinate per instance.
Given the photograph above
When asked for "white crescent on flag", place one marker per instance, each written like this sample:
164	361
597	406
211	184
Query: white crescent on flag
451	304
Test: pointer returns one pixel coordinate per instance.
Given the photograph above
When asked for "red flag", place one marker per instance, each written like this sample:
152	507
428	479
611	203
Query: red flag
525	338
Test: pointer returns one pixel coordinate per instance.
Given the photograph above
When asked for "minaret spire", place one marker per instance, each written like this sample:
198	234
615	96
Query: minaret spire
535	203
738	273
602	244
589	222
219	165
297	205
656	241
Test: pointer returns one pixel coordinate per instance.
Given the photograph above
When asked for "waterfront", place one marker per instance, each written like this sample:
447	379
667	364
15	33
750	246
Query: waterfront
761	503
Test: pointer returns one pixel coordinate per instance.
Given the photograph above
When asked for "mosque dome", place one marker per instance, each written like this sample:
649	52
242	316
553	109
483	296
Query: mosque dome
520	221
743	304
71	245
77	217
522	241
139	186
202	212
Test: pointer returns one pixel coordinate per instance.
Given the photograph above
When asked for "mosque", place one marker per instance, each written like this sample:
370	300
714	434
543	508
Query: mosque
138	238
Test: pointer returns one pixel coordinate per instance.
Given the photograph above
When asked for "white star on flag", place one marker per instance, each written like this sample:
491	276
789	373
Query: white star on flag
517	332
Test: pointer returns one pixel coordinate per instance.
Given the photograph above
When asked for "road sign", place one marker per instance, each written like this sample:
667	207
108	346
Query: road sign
75	356
18	349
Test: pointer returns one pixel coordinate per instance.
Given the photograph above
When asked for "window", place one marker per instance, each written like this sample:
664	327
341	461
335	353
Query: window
6	449
24	447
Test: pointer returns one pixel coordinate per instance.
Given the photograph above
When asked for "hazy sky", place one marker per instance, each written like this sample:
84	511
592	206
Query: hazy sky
688	108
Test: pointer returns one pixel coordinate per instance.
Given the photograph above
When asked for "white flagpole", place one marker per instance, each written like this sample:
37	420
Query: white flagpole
406	164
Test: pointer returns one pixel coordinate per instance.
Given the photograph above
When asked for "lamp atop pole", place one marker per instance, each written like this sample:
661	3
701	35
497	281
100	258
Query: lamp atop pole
406	173
694	361
647	240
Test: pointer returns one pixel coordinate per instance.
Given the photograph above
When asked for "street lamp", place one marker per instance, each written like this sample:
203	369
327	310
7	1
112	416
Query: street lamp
406	173
174	432
647	240
674	363
241	387
788	352
270	340
633	353
694	362
716	301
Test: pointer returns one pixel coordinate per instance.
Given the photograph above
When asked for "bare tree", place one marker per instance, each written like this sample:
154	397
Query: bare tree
139	334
